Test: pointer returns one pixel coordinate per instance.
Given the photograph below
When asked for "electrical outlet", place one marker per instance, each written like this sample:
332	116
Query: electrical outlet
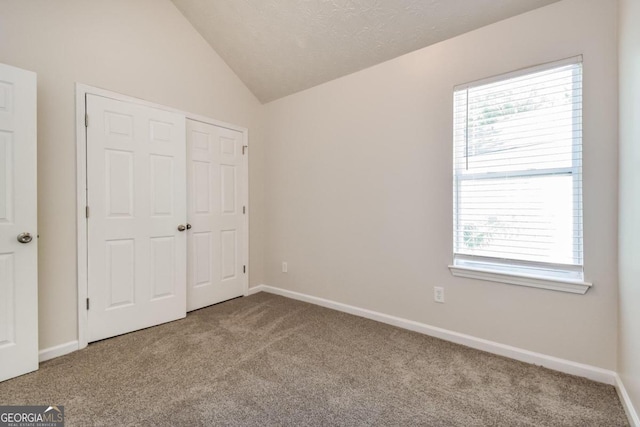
438	294
284	267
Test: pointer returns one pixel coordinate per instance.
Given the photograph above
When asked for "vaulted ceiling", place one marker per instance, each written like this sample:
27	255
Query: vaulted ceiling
279	47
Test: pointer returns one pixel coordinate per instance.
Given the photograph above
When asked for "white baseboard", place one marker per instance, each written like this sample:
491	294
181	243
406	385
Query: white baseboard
59	350
550	362
634	420
255	290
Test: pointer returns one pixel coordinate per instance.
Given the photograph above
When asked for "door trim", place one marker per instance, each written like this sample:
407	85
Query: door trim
81	190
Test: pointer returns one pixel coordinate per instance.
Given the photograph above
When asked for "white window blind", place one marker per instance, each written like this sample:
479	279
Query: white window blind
518	171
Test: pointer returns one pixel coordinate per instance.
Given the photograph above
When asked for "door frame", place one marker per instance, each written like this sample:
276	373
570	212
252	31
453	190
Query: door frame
82	90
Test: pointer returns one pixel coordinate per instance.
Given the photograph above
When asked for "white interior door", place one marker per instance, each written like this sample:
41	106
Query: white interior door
136	194
216	197
18	221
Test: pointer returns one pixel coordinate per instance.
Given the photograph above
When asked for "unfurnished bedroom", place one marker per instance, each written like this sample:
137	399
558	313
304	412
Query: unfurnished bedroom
348	213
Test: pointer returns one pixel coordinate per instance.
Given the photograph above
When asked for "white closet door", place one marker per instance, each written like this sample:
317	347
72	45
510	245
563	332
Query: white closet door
18	223
217	240
136	181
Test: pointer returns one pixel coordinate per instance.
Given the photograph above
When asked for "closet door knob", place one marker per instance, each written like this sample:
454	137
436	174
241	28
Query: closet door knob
188	226
25	237
181	227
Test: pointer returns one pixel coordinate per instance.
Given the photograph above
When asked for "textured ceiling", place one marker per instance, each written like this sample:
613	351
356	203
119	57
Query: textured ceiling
279	47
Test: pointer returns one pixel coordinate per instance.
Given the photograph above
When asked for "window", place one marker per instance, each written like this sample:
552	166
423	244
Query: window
518	178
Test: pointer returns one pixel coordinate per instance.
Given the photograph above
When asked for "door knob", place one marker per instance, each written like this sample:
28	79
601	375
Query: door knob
25	237
181	227
188	226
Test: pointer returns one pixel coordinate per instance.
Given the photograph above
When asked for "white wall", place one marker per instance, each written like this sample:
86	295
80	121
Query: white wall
142	48
629	335
359	187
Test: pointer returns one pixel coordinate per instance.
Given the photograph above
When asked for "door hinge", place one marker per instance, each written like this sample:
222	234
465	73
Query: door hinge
244	269
87	303
243	148
244	209
86	211
86	120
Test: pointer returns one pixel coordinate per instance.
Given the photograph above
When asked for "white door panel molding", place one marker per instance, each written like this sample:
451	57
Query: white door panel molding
18	223
217	210
121	207
136	194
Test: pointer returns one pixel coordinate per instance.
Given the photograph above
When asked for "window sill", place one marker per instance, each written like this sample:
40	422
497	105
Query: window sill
571	286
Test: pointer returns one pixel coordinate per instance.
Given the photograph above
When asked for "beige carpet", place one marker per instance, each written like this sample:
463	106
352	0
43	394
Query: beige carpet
268	360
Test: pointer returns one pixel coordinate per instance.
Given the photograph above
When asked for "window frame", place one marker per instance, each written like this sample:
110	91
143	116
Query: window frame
559	277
